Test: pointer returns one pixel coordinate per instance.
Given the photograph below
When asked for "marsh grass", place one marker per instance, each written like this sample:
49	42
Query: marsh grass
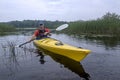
13	53
13	58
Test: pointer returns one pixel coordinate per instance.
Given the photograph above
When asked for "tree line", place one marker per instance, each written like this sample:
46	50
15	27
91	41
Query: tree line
35	23
14	25
108	24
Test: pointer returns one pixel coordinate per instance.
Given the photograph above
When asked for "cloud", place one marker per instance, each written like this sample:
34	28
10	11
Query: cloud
66	10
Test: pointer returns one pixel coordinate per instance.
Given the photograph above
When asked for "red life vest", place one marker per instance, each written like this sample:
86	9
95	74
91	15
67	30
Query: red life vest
41	32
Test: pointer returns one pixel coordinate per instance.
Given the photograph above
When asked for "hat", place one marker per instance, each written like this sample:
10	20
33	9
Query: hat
41	24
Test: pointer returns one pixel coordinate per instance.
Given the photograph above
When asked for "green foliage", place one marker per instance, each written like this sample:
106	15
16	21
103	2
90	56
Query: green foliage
6	28
108	24
35	23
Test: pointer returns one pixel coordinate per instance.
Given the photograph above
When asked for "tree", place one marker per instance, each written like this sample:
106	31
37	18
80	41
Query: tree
110	16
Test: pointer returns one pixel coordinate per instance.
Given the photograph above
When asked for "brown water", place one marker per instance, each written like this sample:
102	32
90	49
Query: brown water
27	64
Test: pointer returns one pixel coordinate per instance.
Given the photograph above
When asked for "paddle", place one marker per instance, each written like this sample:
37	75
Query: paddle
62	27
57	29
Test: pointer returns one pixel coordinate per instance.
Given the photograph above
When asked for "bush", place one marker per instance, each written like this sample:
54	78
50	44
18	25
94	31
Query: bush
6	28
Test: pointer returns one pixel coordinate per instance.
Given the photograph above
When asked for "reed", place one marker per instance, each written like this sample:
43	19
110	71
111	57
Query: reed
108	24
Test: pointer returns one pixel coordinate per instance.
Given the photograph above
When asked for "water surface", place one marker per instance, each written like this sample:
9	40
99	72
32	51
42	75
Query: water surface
25	64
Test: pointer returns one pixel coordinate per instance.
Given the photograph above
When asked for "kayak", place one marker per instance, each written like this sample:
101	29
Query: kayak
63	49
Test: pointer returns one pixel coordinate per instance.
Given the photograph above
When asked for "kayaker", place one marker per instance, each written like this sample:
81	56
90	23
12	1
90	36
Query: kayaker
41	32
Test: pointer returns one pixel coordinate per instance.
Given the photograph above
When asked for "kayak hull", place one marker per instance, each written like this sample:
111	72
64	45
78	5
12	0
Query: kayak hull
60	48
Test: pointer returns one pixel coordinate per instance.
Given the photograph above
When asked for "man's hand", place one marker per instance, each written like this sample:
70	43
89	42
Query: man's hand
46	33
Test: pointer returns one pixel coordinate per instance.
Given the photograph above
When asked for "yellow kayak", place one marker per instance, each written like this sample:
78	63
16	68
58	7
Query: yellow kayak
60	48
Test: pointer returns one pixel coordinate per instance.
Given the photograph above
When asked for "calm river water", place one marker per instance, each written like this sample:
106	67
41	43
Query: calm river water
27	64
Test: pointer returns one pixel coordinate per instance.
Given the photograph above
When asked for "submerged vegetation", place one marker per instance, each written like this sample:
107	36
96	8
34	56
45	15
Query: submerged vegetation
108	24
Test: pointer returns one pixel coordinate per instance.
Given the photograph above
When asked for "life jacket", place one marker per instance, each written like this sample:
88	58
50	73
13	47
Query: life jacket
41	34
42	31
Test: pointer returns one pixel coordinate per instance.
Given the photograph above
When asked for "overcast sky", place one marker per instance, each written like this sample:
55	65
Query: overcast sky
65	10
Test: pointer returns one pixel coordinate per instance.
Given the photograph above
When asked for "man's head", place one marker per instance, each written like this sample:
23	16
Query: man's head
41	26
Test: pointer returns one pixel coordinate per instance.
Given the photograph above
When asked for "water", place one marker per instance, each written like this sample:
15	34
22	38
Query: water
27	64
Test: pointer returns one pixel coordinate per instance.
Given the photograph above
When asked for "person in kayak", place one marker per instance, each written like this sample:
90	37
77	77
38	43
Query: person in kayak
41	32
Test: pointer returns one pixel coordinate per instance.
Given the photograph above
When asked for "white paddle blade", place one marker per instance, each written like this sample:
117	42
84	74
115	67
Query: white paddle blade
17	46
62	27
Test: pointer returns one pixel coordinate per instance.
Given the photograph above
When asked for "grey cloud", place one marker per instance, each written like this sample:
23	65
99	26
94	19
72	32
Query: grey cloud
68	10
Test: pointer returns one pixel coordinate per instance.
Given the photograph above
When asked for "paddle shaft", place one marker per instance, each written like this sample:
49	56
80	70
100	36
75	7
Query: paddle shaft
24	43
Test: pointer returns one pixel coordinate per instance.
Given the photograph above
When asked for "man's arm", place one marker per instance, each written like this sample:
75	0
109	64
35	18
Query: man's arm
34	36
47	32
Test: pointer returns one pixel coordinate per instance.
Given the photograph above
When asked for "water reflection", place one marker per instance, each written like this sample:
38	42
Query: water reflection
10	62
41	55
105	41
72	65
22	63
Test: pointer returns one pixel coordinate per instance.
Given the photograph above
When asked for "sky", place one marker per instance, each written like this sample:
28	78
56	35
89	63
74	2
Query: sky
62	10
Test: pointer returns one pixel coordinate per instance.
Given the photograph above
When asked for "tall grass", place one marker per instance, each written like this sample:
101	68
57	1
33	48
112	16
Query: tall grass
6	28
109	24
